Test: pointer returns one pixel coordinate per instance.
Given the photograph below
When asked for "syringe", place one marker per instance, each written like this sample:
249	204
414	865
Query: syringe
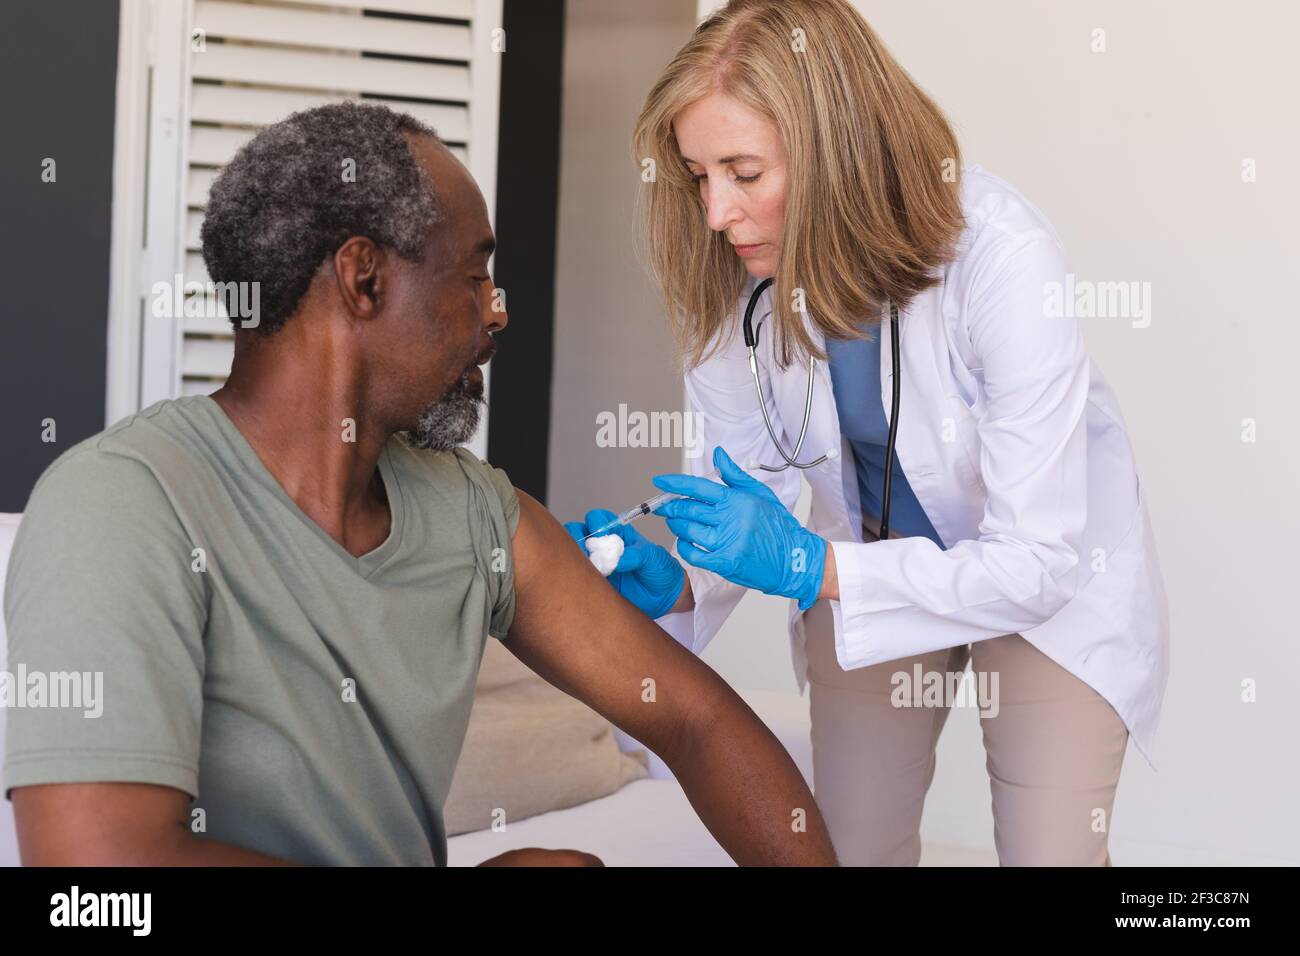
641	510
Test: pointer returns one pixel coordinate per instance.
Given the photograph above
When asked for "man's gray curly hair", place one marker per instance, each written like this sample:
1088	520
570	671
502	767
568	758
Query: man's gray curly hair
283	204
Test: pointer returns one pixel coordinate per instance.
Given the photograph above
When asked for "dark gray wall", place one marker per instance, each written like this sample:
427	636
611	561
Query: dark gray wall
58	66
528	159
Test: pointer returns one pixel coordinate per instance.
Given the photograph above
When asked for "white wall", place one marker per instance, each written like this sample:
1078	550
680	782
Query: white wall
1136	156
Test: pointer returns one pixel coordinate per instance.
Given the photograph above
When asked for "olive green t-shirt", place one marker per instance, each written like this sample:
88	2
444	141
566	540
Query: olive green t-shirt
311	702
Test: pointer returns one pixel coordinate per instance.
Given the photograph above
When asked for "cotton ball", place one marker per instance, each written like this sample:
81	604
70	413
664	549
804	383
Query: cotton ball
605	552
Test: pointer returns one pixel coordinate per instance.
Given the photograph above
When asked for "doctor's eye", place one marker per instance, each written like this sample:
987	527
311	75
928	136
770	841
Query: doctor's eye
739	179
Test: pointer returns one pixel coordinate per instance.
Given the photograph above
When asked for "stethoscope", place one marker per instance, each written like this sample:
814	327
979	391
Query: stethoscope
751	343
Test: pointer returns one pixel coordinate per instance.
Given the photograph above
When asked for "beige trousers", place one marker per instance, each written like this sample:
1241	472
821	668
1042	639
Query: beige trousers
1054	748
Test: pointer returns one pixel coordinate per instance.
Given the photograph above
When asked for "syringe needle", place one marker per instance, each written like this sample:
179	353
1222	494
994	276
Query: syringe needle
641	510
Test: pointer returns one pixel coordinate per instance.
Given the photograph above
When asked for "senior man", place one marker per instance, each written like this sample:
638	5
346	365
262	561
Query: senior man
288	585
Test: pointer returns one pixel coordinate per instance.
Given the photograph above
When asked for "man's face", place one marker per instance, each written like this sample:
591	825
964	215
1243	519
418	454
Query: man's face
444	313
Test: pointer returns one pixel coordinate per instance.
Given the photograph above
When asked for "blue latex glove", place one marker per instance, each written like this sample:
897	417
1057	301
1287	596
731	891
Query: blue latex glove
647	574
744	533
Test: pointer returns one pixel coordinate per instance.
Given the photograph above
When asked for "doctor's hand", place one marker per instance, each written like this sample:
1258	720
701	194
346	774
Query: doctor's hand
647	574
742	532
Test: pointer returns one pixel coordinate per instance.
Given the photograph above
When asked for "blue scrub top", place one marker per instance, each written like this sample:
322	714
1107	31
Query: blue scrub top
855	377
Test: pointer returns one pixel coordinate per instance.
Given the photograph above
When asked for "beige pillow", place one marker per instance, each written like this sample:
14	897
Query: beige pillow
531	748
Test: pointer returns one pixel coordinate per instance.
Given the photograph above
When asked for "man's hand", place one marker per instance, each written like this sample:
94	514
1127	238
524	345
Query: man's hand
574	630
536	856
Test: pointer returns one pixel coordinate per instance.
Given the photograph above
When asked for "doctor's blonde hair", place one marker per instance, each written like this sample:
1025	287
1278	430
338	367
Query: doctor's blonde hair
872	204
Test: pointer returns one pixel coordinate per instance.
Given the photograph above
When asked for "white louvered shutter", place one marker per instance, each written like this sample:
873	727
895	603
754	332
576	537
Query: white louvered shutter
223	69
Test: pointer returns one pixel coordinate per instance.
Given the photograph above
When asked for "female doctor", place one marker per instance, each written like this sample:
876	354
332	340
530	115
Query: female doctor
910	296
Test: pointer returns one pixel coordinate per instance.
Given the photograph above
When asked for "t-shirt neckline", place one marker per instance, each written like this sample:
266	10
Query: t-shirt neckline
365	564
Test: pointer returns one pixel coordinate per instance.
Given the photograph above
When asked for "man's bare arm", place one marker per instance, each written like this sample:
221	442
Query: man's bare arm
574	630
117	824
143	824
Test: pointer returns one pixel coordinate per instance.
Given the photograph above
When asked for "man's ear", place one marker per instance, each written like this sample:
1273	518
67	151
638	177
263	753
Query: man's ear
360	273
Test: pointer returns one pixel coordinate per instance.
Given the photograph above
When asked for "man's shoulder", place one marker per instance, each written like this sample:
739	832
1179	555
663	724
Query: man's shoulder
99	513
120	468
455	472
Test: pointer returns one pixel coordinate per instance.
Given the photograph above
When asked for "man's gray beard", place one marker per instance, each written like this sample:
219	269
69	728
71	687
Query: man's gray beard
450	421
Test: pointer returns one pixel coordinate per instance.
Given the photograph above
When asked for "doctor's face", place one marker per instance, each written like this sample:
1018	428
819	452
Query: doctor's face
738	159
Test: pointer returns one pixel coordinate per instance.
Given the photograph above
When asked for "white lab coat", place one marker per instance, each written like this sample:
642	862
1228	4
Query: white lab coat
1016	449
